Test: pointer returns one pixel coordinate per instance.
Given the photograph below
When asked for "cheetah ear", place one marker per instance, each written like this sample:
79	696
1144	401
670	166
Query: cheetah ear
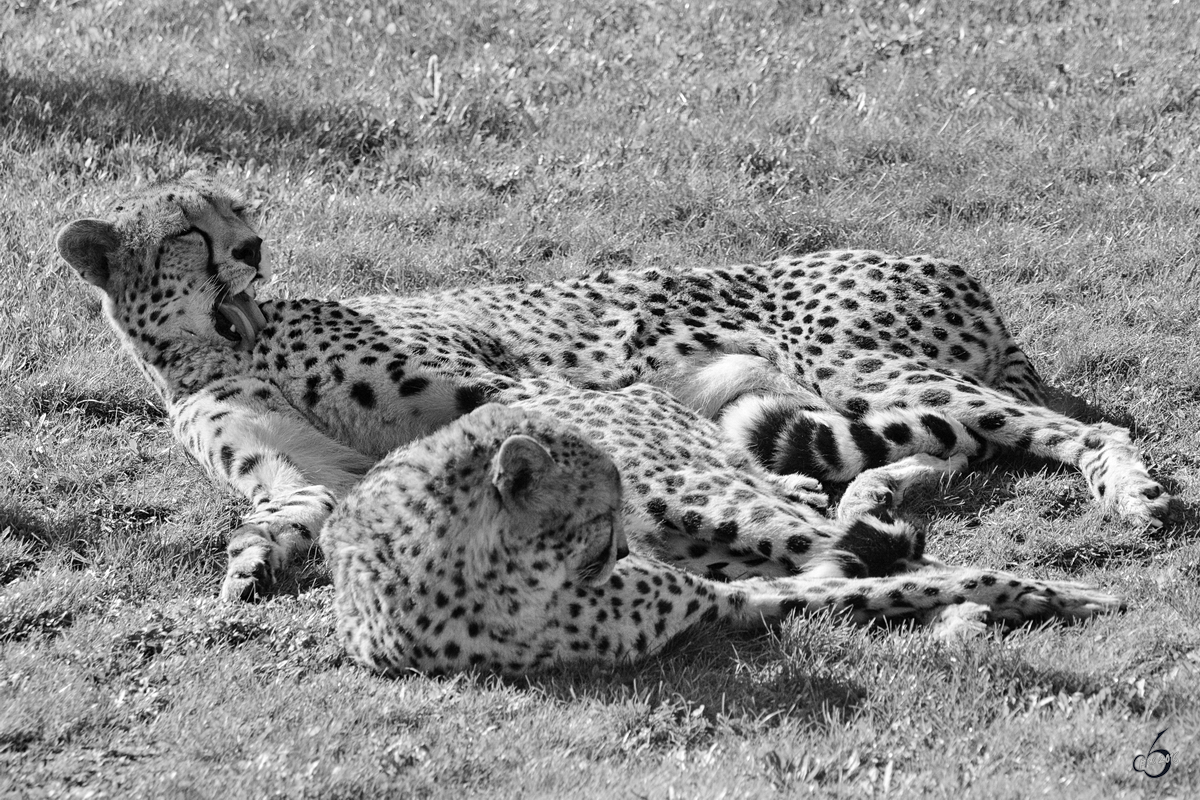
519	467
86	244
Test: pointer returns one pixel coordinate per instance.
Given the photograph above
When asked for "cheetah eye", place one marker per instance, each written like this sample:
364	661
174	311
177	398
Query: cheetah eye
183	234
246	212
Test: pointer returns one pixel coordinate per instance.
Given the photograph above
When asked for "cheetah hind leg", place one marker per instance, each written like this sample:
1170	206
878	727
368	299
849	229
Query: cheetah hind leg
1110	463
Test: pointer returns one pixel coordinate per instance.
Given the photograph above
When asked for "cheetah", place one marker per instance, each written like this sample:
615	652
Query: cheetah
821	365
497	545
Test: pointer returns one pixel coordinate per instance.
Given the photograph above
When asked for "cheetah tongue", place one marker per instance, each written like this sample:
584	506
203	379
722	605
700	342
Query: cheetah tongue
240	311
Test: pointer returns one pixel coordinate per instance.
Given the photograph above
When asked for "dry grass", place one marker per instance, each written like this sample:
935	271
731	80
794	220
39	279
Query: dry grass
1049	145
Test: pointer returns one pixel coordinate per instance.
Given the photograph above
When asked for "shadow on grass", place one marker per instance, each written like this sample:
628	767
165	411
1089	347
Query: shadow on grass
114	110
820	674
711	677
1183	519
35	536
307	576
96	406
26	537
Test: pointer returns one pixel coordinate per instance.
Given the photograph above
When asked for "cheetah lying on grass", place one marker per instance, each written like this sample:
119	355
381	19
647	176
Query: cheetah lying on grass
497	544
821	365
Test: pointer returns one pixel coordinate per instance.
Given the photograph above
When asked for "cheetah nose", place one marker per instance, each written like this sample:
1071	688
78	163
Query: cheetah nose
249	252
622	551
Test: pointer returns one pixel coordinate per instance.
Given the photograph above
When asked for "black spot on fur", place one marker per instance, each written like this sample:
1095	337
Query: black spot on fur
725	533
798	544
878	550
363	394
898	433
856	407
469	398
248	465
797	449
940	429
657	508
857	601
311	395
868	365
413	386
766	432
826	444
935	397
992	421
872	446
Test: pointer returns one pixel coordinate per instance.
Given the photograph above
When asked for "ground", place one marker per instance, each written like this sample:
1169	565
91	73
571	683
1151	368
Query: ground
1050	146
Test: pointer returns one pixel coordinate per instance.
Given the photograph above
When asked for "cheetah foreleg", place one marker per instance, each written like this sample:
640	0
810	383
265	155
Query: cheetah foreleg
676	601
247	437
925	595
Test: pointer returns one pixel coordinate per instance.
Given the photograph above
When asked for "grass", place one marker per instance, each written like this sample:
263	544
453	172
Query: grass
1049	145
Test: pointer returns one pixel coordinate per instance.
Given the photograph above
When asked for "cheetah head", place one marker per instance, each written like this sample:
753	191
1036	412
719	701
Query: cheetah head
177	265
554	499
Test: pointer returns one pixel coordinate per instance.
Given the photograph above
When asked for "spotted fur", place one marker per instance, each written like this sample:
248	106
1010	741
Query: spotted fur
696	502
821	365
496	545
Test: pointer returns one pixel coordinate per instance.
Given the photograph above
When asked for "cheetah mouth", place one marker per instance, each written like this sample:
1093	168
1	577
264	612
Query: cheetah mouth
238	318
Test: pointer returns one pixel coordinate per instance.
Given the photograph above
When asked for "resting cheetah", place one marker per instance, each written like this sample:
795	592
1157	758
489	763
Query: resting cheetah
495	544
824	365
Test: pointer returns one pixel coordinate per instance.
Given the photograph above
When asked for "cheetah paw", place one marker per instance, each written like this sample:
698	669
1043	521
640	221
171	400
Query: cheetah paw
958	622
1061	599
250	576
802	489
1080	600
1145	504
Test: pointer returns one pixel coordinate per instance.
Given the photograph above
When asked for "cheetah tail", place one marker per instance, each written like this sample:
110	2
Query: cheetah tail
786	435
